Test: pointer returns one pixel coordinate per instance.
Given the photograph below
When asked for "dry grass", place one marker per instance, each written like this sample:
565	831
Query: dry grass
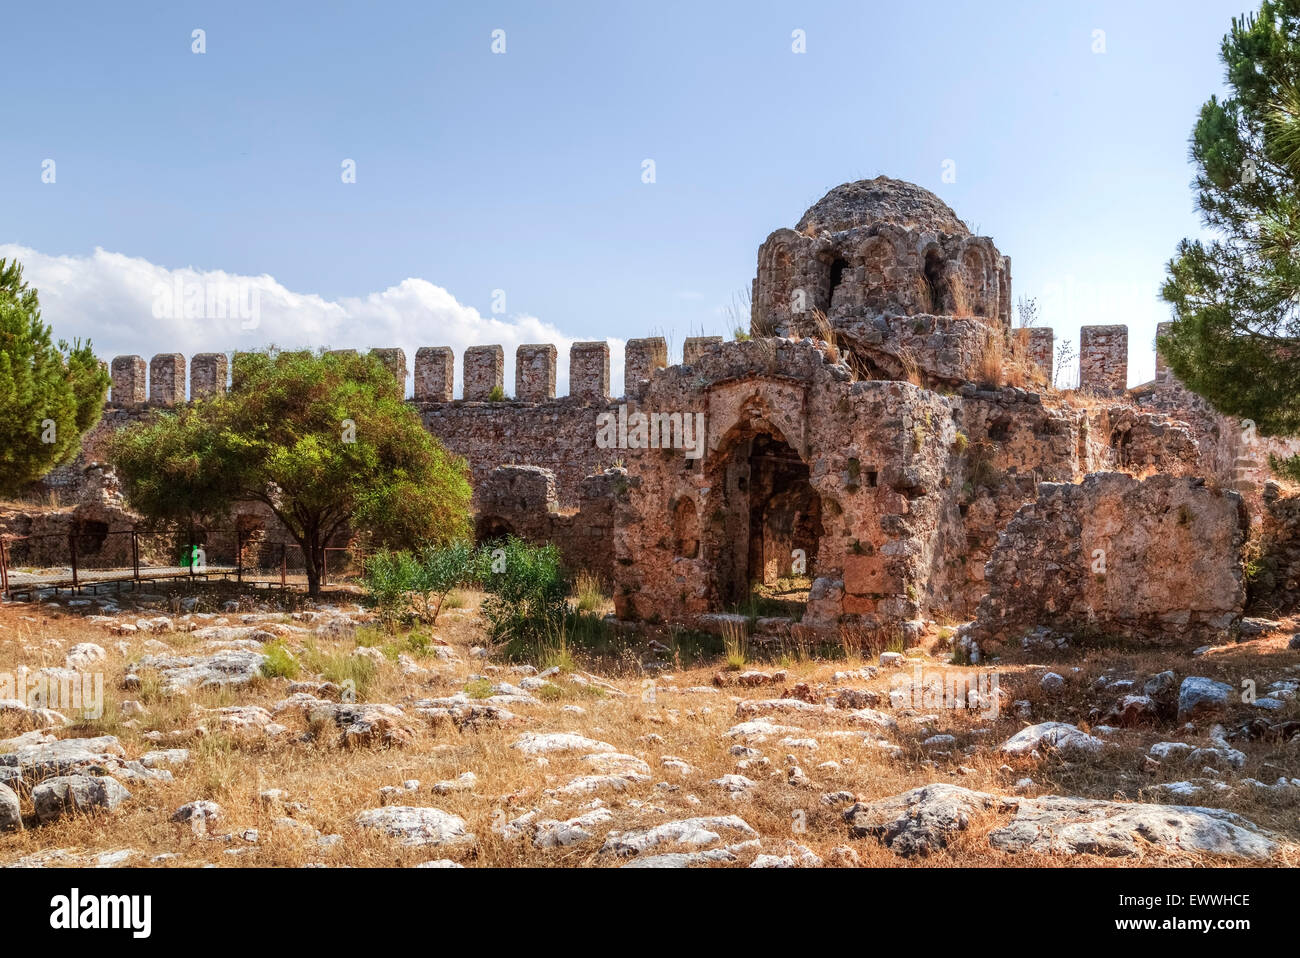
332	783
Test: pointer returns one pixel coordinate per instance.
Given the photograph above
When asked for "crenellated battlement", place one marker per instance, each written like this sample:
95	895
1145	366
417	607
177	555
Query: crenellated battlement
161	381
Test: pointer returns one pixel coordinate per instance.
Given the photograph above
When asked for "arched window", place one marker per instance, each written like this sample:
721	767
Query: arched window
837	276
936	282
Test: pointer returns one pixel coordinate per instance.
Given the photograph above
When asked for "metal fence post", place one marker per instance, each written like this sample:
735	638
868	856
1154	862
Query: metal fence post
135	556
4	564
284	565
239	555
72	549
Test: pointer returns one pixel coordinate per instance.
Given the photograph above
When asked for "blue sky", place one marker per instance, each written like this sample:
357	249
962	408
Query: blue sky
522	171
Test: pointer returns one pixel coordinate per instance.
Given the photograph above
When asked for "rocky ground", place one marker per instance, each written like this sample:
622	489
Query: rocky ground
238	733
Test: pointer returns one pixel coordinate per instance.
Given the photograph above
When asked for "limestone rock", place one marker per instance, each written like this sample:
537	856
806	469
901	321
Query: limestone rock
1201	696
67	794
919	821
1061	736
417	827
1076	826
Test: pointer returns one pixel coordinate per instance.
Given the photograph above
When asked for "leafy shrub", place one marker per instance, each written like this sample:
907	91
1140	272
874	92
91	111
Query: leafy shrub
527	592
405	585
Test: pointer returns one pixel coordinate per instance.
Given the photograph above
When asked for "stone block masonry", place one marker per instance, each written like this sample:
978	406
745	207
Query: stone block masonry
641	357
1040	347
208	375
167	379
129	380
589	372
535	373
435	374
1162	365
1153	559
697	346
485	371
1103	359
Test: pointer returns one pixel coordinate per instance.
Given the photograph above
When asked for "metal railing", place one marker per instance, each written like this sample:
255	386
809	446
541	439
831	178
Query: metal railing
89	557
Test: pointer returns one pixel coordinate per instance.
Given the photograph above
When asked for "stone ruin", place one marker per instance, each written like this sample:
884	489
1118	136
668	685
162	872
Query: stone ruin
885	446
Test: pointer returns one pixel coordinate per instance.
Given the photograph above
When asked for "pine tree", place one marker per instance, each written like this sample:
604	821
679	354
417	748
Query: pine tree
49	394
1236	297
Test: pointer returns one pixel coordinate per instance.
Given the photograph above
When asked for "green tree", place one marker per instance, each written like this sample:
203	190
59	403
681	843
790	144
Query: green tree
1236	295
324	441
49	394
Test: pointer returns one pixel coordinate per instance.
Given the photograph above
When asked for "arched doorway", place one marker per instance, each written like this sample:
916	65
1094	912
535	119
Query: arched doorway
766	523
492	529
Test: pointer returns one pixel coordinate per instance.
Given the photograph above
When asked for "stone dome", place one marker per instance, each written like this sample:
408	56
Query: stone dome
882	200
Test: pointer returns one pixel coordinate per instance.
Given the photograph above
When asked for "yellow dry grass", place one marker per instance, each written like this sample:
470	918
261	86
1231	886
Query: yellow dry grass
654	717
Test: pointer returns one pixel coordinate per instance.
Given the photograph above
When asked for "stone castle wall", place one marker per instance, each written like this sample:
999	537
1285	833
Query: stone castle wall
916	544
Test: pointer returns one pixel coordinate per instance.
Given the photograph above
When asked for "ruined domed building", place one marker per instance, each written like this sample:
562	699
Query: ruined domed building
885	447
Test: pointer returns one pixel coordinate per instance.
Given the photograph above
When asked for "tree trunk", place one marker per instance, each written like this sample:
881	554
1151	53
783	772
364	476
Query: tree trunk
311	552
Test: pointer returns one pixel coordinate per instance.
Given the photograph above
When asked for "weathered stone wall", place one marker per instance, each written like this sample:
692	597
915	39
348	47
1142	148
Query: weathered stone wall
167	379
935	350
535	373
890	459
874	454
559	435
1040	347
641	357
1103	359
877	247
435	374
1157	558
1275	586
485	372
208	374
129	380
521	500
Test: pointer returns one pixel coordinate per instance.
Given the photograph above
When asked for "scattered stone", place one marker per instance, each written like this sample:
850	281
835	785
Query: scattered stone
203	811
184	673
736	786
544	743
919	821
555	834
10	811
84	655
1061	736
856	699
66	794
417	827
1075	826
691	832
164	757
462	783
1200	696
1133	710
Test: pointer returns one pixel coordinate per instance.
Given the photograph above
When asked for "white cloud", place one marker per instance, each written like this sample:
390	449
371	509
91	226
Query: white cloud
125	305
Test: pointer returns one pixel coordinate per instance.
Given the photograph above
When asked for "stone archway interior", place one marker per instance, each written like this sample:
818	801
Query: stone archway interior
767	531
492	529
